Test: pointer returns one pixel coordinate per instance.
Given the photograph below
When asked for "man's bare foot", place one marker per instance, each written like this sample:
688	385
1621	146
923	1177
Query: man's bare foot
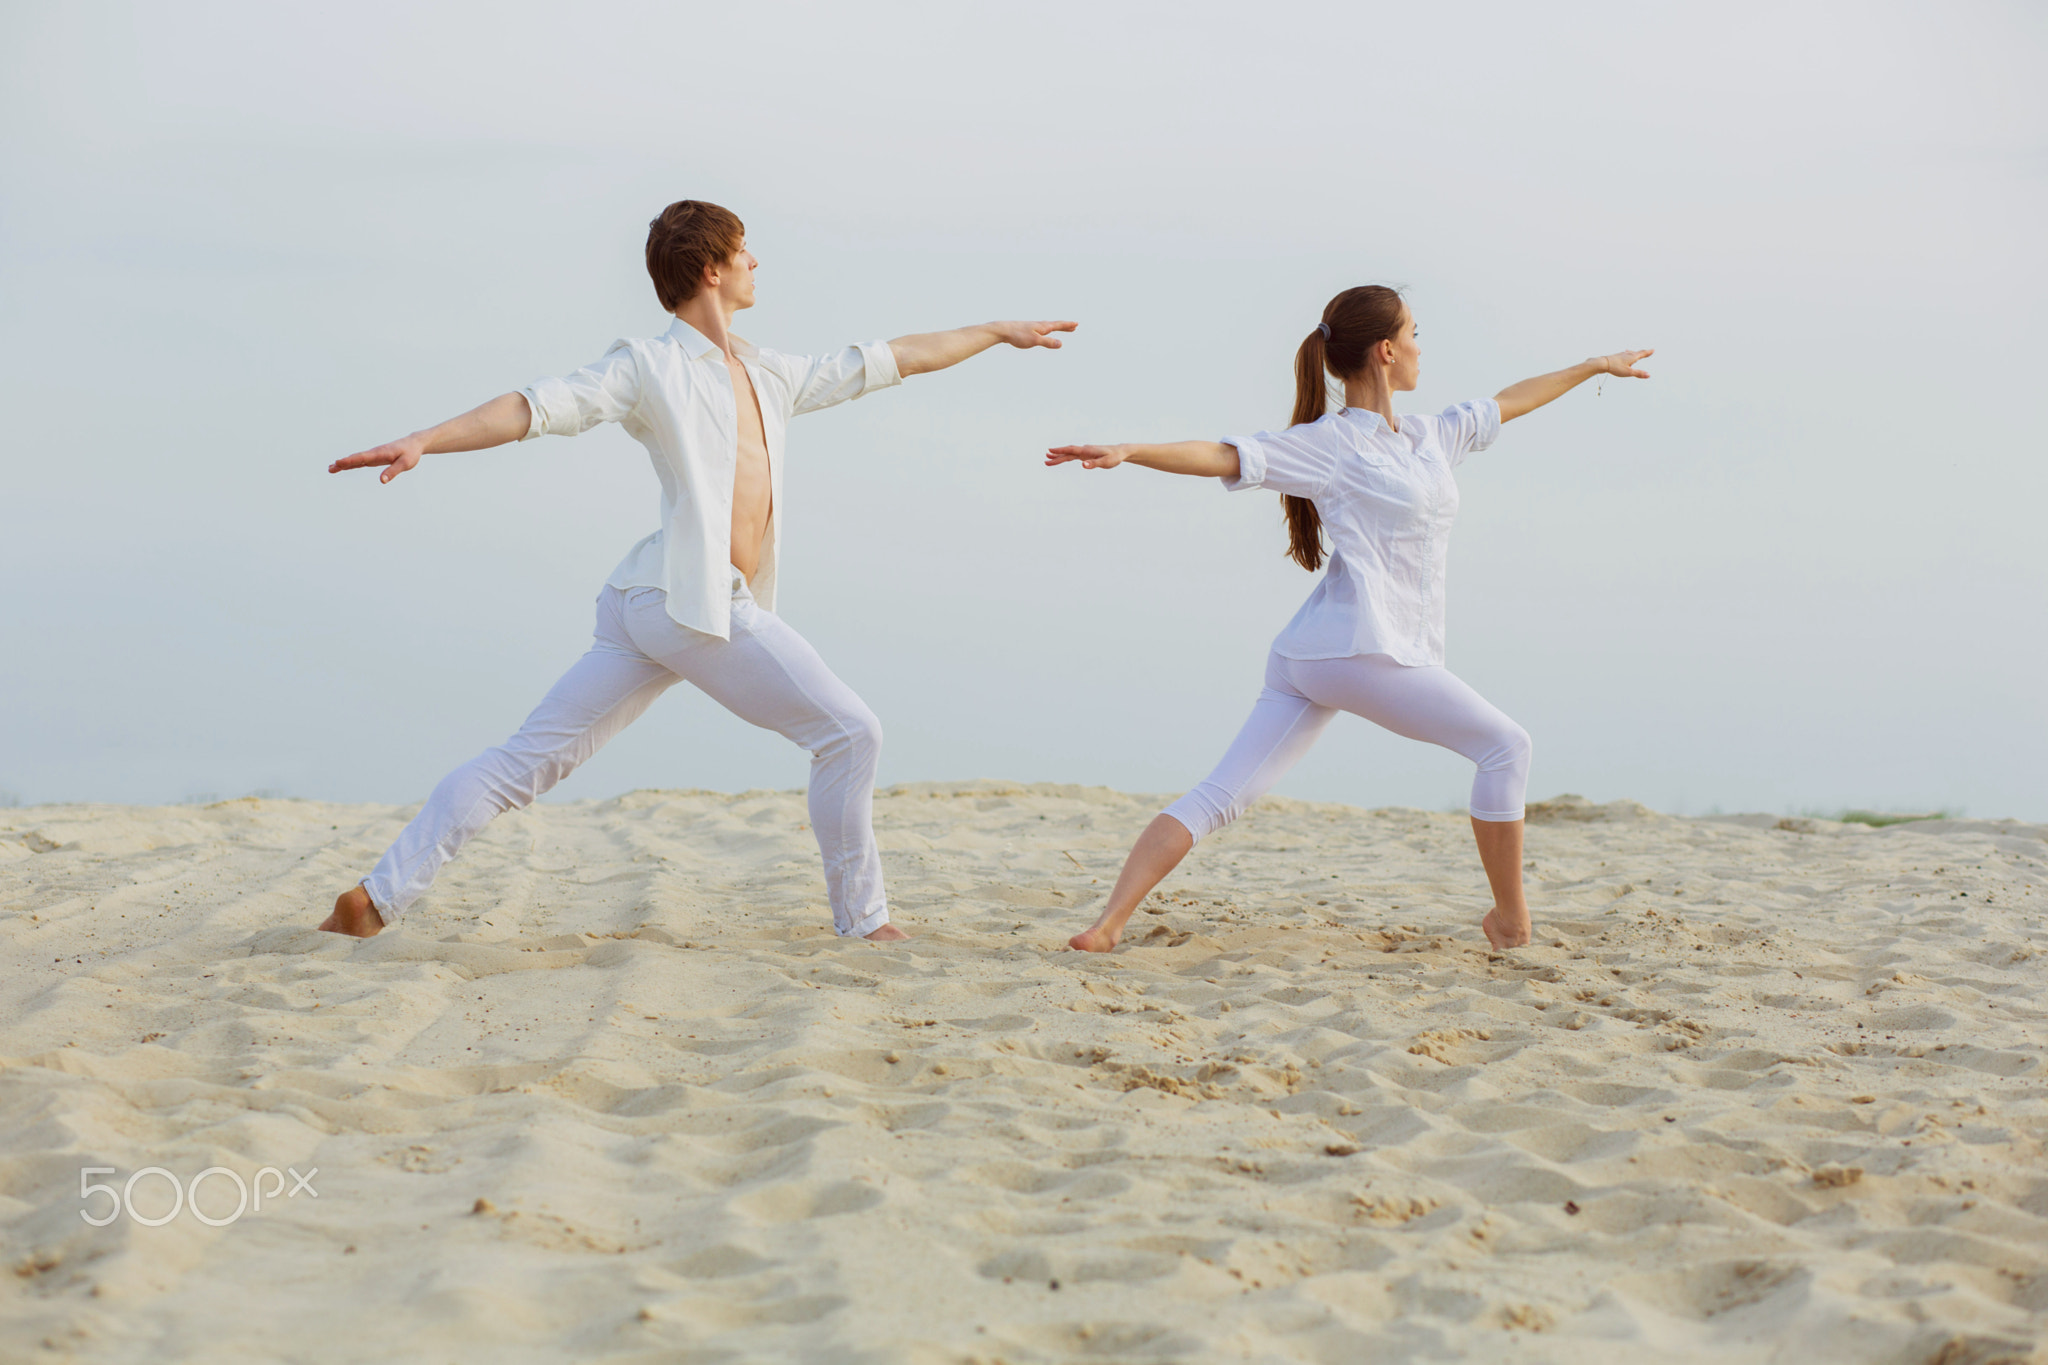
1097	938
1502	934
353	914
888	933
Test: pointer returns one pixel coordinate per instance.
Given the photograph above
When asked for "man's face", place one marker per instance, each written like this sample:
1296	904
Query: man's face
736	279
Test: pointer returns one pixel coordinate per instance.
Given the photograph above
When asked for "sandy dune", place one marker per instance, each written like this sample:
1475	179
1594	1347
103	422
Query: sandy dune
1762	1091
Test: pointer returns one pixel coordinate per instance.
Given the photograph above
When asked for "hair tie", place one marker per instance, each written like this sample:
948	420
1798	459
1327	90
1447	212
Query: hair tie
1324	328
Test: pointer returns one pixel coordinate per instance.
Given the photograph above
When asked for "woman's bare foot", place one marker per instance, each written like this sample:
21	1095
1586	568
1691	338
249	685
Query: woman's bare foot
1500	851
1158	851
1502	933
353	915
888	933
1099	937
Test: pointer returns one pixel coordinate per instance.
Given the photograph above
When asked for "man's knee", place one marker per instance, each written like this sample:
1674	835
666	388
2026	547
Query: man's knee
520	770
860	734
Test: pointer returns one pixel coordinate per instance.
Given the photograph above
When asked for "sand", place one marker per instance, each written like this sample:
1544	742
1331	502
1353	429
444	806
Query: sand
1763	1090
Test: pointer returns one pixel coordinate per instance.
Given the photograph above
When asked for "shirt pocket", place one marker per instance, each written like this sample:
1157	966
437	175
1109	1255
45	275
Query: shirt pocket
1397	492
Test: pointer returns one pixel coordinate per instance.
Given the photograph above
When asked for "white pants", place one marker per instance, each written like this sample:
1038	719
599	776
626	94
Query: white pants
766	674
1302	695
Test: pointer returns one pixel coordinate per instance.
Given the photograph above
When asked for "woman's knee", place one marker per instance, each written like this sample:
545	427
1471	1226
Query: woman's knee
1204	809
1512	748
1524	747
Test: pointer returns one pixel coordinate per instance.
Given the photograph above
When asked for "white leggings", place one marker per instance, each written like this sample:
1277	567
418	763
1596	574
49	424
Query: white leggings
1301	697
766	674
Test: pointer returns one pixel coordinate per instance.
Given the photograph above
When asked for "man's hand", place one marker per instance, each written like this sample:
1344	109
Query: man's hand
504	419
399	455
928	351
1025	335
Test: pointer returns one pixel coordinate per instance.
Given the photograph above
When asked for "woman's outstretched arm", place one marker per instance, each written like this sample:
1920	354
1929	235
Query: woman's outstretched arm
504	419
1203	459
1532	394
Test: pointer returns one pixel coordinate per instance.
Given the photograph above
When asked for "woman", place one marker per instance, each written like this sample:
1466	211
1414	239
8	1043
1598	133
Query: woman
1370	638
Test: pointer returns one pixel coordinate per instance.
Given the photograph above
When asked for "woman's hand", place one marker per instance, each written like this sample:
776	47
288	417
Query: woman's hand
399	455
1531	394
1622	364
1088	457
1203	459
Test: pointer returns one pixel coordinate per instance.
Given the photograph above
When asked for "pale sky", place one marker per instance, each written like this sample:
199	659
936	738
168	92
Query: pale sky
1800	569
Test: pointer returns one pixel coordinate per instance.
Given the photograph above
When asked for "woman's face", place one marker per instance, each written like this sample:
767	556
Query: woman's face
1404	371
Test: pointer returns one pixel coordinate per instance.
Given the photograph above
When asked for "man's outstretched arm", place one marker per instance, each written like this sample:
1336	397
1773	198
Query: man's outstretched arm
504	419
928	351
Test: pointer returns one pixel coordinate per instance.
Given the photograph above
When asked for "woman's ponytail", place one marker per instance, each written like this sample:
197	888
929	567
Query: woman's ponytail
1304	523
1353	323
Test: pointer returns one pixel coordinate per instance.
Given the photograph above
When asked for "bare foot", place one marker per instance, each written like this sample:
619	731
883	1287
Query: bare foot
1503	934
353	914
1097	938
1158	851
888	933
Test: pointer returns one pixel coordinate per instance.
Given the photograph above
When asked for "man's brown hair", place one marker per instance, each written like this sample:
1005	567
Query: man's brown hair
687	236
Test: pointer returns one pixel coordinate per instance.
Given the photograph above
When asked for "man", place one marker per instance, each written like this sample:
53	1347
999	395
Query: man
695	600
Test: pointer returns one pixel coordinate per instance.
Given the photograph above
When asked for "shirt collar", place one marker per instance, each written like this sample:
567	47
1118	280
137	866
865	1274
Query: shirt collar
696	345
1371	420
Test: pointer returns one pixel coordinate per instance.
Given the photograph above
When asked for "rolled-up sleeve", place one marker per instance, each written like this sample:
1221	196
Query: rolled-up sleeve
1466	427
606	390
1284	461
823	381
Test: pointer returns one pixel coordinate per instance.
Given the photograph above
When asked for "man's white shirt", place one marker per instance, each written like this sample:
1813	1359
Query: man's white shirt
673	394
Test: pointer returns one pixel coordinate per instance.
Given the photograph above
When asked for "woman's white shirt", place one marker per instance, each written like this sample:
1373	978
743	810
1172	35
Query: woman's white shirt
673	394
1387	499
